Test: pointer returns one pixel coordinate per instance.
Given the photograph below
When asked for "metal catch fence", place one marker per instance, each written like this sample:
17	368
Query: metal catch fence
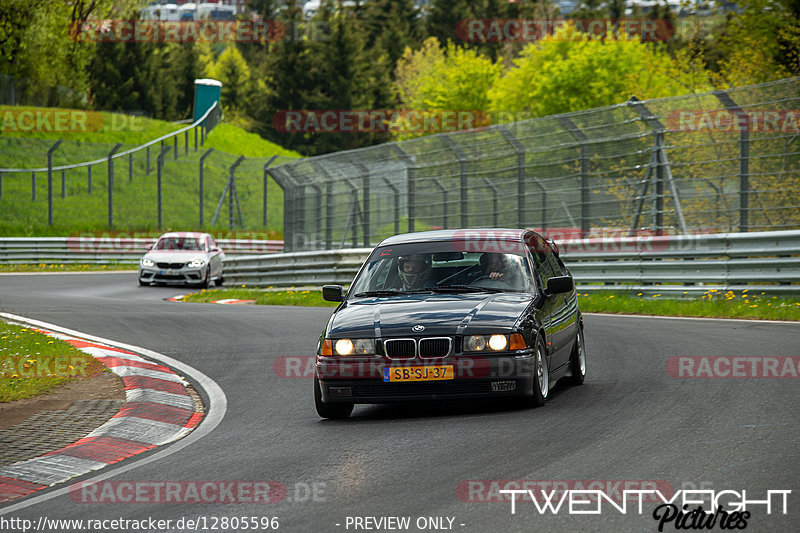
716	162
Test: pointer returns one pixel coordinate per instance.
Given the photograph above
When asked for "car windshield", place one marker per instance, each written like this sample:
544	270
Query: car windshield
178	243
441	267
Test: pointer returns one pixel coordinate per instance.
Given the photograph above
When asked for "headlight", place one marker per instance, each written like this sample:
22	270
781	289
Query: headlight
196	263
354	347
147	262
497	343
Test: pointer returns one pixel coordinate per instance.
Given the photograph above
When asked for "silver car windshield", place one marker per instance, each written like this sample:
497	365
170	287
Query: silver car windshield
178	243
437	266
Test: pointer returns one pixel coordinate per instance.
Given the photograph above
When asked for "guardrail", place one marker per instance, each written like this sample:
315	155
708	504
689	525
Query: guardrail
49	250
671	265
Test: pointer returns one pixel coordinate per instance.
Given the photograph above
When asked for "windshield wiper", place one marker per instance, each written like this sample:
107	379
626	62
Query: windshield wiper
466	288
376	293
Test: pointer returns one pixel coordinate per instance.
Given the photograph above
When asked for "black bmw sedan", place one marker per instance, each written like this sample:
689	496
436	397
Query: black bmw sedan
451	314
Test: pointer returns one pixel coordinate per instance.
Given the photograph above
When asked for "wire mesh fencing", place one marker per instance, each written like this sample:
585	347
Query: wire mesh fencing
715	162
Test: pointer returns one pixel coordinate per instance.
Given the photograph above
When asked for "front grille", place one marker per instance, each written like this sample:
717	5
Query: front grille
170	265
434	347
399	348
410	390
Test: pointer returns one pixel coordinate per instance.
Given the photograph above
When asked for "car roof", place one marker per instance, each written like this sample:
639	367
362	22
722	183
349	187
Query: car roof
183	234
503	234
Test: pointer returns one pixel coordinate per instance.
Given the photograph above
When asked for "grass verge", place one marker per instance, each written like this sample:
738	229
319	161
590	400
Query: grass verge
304	298
712	304
32	363
66	267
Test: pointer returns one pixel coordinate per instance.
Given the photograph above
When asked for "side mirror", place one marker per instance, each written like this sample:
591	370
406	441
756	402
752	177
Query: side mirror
558	285
332	293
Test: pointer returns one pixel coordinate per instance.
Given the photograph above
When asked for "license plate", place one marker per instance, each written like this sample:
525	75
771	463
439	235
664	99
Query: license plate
170	272
418	373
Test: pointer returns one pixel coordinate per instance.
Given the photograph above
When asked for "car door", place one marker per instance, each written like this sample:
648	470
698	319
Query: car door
564	316
214	257
544	271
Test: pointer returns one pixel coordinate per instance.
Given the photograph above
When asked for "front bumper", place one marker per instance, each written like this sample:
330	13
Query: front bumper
360	379
181	276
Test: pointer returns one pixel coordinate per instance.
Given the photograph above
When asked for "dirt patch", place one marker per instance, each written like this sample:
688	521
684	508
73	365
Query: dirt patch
105	386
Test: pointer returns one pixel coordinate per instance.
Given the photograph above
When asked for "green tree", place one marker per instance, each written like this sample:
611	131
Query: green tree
568	72
450	79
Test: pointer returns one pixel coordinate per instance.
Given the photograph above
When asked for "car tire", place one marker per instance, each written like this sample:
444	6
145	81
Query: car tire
334	411
204	283
577	359
541	376
218	281
143	283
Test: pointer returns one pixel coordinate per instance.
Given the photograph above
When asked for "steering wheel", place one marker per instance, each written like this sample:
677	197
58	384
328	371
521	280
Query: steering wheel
488	283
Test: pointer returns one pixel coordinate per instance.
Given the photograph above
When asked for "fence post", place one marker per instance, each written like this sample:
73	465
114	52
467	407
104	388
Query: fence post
397	204
175	138
111	185
33	186
1	184
90	178
409	161
266	175
234	196
130	167
443	190
462	164
494	201
160	168
659	164
744	157
584	161
50	182
186	142
195	138
147	171
519	149
298	208
365	202
63	184
200	179
328	214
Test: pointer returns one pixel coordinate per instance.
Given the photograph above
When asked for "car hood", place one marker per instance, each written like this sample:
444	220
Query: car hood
440	314
168	256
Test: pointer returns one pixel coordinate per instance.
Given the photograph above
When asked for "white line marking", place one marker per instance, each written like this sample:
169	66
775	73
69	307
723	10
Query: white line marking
218	405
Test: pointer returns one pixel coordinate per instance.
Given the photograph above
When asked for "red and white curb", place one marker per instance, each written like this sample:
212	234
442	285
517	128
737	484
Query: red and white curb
157	410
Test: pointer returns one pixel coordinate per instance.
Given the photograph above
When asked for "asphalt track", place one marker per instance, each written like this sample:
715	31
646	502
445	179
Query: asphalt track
629	421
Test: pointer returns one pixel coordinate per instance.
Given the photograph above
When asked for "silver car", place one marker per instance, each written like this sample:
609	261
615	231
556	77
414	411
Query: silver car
184	258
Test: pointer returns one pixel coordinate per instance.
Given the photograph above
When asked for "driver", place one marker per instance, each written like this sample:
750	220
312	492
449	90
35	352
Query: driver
494	266
415	271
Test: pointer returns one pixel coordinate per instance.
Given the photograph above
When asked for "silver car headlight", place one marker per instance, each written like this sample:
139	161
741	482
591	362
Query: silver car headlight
196	263
147	262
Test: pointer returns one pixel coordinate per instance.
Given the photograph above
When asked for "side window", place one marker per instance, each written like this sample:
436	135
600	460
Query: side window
554	264
541	261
